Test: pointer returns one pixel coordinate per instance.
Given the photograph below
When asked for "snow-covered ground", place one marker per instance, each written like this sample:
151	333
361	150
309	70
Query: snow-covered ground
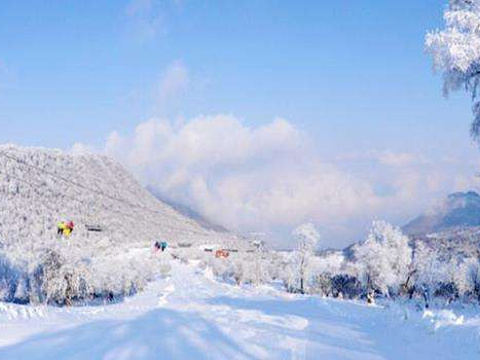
190	315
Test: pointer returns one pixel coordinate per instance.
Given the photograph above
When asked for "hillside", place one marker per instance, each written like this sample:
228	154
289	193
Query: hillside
39	187
187	211
458	211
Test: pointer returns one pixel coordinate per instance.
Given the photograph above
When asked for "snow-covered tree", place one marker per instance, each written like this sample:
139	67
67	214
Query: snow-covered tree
456	52
426	264
9	275
307	238
430	271
384	258
473	271
467	277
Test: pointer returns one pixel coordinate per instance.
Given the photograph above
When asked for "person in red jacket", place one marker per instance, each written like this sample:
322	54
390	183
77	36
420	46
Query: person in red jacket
65	228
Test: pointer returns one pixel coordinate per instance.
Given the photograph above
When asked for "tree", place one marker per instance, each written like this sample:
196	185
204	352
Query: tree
456	52
384	258
474	277
307	238
430	270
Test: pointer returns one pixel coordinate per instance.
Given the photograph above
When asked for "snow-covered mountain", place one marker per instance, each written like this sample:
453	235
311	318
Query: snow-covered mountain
187	211
40	187
459	211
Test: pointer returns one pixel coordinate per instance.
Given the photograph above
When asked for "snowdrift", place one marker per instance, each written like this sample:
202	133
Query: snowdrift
40	187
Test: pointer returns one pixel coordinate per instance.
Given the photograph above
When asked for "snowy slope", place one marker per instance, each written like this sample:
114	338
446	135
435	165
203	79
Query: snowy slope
39	187
43	187
191	316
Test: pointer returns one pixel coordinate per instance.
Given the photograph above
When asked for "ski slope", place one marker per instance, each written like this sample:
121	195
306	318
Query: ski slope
189	315
40	187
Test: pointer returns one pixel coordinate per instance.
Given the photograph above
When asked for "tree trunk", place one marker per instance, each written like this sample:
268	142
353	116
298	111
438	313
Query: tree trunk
302	275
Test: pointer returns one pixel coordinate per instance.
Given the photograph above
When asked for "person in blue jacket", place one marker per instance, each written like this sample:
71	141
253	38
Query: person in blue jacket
161	245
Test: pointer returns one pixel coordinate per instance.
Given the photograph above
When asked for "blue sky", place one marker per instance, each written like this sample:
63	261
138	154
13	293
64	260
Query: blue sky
352	75
77	70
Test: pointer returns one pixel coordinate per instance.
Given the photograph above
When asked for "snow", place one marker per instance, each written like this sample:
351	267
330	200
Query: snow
190	315
40	187
179	309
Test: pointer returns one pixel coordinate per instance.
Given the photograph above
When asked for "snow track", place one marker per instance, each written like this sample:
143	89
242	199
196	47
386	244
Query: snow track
191	316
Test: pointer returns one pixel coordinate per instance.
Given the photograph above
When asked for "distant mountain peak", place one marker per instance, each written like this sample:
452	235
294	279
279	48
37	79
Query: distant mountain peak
458	210
469	195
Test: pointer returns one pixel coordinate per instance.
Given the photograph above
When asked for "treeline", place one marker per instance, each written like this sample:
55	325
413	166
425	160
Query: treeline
61	274
387	264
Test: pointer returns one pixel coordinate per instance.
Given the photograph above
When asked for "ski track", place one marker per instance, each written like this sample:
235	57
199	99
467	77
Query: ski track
191	316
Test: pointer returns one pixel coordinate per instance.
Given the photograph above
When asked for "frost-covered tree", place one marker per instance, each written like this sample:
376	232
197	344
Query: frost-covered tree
260	271
384	258
9	276
430	271
426	265
473	277
307	238
456	52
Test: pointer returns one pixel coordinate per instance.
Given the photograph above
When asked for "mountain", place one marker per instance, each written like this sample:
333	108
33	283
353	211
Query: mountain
459	211
187	211
40	187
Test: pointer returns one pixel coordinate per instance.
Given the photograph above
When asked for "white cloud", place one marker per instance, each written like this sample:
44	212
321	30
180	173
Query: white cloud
148	18
81	149
386	157
245	178
173	84
271	176
391	158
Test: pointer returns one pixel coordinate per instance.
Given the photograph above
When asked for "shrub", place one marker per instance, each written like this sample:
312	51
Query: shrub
346	285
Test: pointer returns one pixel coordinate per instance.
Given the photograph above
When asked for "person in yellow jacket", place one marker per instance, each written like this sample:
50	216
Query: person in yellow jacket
60	227
65	228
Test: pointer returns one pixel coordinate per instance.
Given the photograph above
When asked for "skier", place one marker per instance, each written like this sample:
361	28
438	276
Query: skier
163	246
60	227
65	228
160	245
69	228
